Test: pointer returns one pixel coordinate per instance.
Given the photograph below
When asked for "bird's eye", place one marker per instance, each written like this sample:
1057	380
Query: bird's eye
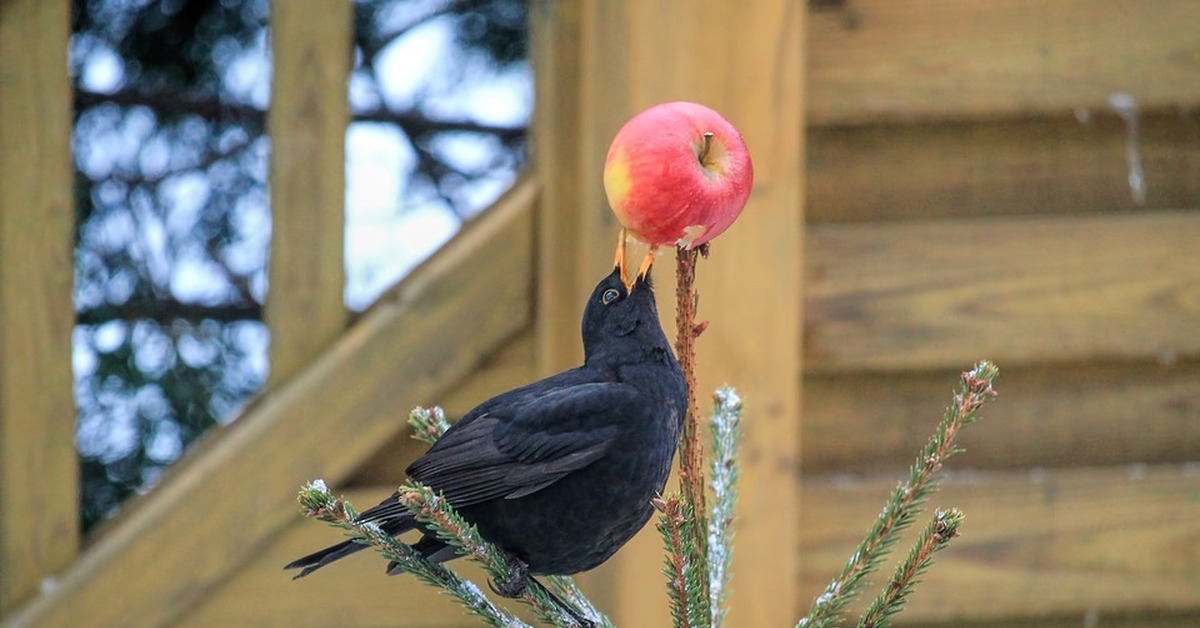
609	296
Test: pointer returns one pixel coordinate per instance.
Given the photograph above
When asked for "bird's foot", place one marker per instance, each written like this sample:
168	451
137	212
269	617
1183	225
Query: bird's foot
519	580
513	586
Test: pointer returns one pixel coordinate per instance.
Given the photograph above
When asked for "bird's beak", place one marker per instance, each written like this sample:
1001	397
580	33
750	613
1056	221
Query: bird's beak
643	270
647	262
619	262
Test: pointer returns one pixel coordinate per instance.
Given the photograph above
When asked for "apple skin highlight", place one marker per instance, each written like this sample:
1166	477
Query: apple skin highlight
670	185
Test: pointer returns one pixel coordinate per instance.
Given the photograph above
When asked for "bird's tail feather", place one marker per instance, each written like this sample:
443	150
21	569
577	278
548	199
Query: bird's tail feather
320	558
389	515
431	548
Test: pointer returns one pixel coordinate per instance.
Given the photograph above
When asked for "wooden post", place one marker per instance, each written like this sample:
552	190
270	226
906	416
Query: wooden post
567	230
310	42
39	499
597	62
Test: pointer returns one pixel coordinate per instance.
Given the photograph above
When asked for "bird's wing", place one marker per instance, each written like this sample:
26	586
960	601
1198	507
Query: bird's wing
521	447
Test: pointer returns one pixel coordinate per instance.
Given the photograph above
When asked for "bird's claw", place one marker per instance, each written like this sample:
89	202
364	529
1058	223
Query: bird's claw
518	581
514	586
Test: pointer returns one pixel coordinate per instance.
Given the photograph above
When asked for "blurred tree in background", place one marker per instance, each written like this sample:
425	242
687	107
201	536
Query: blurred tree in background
173	223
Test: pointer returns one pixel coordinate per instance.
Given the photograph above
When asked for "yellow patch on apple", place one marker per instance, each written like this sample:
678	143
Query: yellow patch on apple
616	178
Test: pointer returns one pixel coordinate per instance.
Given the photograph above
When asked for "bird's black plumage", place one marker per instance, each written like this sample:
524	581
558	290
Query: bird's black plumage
559	473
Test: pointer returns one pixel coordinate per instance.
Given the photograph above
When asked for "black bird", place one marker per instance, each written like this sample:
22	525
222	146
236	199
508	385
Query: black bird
559	473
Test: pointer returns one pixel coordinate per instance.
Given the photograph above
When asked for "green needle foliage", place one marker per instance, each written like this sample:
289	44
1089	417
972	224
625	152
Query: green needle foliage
428	424
430	508
696	565
682	565
934	537
907	500
697	600
319	503
726	433
561	603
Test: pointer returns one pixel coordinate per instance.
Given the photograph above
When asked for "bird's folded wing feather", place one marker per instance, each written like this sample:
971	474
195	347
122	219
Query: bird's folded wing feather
521	447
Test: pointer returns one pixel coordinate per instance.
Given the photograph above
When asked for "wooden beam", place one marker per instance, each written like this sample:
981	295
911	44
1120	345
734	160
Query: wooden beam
599	62
943	294
1048	165
39	473
1060	415
511	366
881	59
311	52
1106	542
1099	541
572	224
226	498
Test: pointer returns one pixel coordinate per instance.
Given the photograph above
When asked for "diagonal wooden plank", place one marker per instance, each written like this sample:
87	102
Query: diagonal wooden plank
212	513
944	293
39	485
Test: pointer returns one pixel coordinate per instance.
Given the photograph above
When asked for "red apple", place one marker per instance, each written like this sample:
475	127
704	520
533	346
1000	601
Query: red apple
677	174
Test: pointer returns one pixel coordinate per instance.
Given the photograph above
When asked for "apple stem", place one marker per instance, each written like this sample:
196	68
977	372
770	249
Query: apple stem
708	136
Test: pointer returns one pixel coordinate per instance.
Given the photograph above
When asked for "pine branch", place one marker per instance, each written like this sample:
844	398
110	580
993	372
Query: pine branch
428	424
165	310
934	537
430	508
677	527
691	457
319	503
565	588
563	604
907	499
725	427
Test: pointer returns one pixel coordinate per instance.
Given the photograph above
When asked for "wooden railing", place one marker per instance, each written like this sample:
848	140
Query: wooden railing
39	506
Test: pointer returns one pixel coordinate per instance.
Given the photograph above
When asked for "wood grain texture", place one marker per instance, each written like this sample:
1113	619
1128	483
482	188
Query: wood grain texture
214	510
882	59
512	365
1065	415
39	485
1034	544
635	54
574	227
946	293
1013	167
310	45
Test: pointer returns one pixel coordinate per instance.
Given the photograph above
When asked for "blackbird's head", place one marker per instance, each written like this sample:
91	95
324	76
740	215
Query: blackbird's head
616	314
